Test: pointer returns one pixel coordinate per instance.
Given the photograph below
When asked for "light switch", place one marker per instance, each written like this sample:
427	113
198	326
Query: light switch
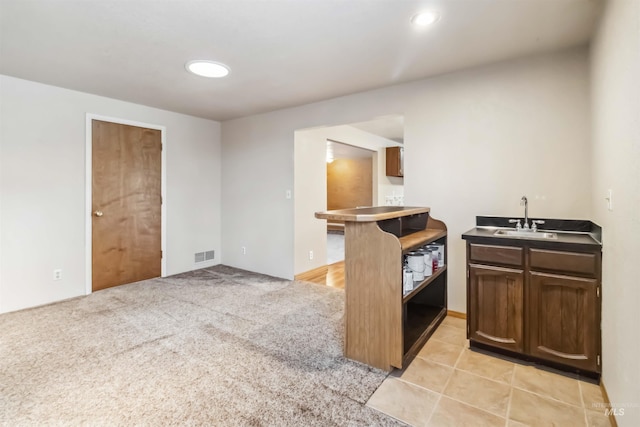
609	199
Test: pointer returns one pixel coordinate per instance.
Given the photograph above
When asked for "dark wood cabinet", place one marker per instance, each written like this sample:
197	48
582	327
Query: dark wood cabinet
496	298
538	303
395	161
563	321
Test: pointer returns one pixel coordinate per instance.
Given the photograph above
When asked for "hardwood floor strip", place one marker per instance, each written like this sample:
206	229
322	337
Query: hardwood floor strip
312	275
329	275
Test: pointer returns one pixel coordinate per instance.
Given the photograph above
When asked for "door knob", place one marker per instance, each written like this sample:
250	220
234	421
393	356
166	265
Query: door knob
98	213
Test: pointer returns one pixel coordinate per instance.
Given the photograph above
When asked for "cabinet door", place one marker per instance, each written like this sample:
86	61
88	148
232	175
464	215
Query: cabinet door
496	306
395	160
564	326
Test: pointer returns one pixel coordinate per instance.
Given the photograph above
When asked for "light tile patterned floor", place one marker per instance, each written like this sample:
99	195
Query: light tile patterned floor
448	384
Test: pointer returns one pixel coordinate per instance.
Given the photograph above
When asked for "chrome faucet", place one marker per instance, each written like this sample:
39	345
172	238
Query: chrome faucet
534	222
525	202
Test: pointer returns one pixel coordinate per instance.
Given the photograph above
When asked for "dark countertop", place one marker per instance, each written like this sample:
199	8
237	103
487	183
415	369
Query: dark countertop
571	233
376	213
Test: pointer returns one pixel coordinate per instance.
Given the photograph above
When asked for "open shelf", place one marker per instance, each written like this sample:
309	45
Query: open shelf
421	285
420	238
423	313
415	332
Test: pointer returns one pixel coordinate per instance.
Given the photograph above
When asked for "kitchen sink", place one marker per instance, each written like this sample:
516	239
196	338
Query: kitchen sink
526	234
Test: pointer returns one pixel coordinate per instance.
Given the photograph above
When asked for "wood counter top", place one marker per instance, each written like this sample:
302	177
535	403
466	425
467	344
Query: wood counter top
376	213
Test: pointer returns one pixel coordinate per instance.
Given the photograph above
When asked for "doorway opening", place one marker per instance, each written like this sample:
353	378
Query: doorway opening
314	155
349	185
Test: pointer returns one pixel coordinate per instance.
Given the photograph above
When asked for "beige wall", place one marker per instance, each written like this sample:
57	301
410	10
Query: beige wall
310	197
616	165
477	141
498	116
42	183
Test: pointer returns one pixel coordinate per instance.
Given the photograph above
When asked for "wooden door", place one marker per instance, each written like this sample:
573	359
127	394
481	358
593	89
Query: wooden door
126	204
496	298
563	325
349	183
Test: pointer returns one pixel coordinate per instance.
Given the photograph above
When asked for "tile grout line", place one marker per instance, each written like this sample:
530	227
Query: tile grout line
469	404
453	371
473	406
553	399
395	417
435	361
435	407
584	407
482	376
441	394
513	376
464	348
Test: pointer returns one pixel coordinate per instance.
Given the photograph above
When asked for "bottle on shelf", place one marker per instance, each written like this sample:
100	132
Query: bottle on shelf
407	280
428	262
415	260
434	260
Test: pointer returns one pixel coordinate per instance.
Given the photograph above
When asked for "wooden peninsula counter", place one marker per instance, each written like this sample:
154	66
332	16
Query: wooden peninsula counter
385	328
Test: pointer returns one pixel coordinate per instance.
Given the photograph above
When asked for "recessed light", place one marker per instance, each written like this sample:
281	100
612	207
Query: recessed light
206	68
424	19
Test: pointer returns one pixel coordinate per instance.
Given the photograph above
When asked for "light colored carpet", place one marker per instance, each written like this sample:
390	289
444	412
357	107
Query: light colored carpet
216	346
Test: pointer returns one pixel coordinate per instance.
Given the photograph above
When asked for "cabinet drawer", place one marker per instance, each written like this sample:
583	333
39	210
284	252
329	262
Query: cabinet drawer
506	255
572	262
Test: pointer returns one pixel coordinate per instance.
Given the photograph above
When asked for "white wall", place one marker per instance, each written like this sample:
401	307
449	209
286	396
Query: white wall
388	186
616	165
310	171
477	141
537	106
42	181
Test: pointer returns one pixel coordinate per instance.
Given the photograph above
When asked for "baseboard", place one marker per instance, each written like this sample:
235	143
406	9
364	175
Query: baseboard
456	314
607	401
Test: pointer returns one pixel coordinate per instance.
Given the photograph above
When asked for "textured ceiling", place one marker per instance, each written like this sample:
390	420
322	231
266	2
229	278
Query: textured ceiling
282	53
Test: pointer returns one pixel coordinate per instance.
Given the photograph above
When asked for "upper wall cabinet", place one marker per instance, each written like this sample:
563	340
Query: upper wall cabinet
395	161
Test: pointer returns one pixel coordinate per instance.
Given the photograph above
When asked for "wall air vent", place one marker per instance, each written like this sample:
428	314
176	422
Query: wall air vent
204	256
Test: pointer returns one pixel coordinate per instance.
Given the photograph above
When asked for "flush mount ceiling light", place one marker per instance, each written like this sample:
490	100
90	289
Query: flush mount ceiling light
206	68
424	19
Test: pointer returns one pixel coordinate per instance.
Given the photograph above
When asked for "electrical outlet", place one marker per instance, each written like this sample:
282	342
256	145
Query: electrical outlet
310	254
57	274
244	250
